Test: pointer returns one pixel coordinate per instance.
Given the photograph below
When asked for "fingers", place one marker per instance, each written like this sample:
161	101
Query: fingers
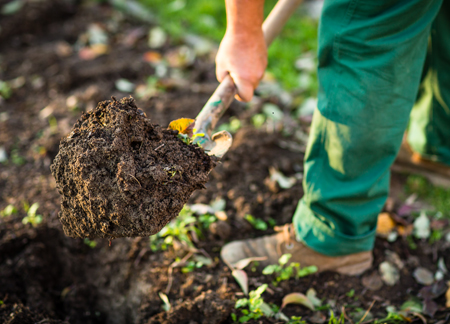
244	87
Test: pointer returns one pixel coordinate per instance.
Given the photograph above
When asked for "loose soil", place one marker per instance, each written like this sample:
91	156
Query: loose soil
121	176
47	277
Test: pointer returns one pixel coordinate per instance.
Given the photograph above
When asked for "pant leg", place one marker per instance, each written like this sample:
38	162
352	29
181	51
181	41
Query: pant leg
371	54
429	129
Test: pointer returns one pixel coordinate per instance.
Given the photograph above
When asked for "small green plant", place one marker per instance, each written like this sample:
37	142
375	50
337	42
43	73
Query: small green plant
257	223
189	140
16	158
351	293
5	90
32	217
8	211
282	271
180	229
296	320
336	320
252	307
88	242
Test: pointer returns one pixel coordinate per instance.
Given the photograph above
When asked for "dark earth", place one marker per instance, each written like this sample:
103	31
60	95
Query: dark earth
119	175
48	277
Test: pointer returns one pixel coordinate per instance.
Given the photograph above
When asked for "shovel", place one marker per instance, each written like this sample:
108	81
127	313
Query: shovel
219	143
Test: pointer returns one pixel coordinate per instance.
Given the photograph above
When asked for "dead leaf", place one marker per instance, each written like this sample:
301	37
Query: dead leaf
297	298
423	276
318	318
429	307
385	224
242	279
434	291
241	264
422	226
405	230
283	181
372	281
152	57
183	126
394	258
389	273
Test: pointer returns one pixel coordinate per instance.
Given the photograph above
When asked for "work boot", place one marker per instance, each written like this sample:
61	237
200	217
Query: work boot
274	246
412	162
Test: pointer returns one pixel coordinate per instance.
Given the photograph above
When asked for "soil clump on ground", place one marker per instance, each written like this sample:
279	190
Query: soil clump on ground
119	175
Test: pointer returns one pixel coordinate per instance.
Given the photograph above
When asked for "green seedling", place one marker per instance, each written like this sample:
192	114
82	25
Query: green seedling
253	307
336	320
282	271
8	211
257	223
5	90
296	320
88	242
32	217
16	158
181	229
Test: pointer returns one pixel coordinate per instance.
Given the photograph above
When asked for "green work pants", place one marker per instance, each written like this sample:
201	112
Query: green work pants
371	55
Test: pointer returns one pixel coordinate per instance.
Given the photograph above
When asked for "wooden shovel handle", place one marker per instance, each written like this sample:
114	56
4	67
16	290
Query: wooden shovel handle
223	96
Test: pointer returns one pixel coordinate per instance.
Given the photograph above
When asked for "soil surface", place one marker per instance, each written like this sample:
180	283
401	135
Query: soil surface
121	176
47	277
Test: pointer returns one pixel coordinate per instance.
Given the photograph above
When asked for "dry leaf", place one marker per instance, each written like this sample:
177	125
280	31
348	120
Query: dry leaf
297	298
183	126
385	224
152	57
389	273
241	264
423	276
241	277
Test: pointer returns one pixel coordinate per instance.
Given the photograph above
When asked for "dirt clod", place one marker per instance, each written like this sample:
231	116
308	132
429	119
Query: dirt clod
122	176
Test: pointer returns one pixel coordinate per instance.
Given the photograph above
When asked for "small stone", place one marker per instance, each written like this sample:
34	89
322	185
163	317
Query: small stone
423	276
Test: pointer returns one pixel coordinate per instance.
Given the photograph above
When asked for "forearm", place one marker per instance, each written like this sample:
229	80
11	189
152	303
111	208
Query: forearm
244	17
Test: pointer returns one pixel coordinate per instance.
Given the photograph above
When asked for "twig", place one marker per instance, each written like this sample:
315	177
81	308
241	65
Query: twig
159	147
367	312
345	315
139	257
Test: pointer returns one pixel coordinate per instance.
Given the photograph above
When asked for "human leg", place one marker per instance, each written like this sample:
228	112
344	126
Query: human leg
429	129
371	55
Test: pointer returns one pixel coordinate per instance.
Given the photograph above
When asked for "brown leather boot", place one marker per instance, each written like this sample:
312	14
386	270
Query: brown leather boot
412	162
274	246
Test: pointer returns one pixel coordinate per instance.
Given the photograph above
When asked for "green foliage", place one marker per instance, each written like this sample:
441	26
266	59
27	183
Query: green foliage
181	229
351	293
197	262
189	140
257	223
88	242
5	90
336	320
8	211
32	218
296	320
437	196
232	126
282	271
251	308
16	158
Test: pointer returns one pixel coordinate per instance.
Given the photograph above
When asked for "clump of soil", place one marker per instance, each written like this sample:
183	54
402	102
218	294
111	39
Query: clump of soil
122	176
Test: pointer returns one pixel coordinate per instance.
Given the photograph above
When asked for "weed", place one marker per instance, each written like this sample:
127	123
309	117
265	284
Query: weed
88	242
282	271
252	307
5	90
351	293
16	159
257	223
336	320
296	320
8	211
32	217
181	229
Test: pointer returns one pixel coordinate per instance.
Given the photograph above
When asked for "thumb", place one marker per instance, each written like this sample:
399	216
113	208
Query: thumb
244	88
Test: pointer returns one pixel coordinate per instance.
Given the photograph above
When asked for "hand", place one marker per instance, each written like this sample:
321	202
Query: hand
244	57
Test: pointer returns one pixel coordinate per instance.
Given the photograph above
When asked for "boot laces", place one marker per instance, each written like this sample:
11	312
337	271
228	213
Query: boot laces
288	234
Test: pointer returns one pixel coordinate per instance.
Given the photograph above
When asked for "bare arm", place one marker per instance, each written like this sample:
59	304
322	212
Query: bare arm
242	52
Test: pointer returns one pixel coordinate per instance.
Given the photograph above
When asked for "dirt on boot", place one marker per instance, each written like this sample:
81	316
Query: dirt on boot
122	176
